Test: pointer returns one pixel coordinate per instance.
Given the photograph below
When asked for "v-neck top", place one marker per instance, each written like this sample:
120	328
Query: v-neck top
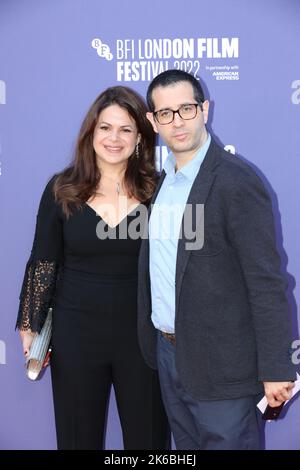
83	242
85	250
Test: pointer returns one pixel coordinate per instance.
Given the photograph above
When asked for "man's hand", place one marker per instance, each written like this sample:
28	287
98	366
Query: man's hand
278	392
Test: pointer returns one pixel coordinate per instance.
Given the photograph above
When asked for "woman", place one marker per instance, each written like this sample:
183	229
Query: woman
83	266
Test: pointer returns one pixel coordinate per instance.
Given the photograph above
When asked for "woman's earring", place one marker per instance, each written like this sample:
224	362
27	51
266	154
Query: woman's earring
137	150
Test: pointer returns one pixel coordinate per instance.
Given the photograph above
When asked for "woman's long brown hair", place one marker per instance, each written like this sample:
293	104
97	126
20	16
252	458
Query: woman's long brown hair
78	182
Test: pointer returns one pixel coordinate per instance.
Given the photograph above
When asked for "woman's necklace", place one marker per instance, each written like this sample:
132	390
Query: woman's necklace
117	190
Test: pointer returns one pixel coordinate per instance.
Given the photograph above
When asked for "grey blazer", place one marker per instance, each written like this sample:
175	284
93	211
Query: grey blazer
232	319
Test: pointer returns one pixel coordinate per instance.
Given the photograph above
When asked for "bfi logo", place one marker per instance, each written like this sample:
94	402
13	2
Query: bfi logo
102	49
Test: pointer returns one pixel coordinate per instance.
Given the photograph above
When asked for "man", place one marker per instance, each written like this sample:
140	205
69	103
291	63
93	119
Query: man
213	316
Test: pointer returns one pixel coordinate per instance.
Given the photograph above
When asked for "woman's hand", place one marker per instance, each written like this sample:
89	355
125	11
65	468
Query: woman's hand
26	338
47	358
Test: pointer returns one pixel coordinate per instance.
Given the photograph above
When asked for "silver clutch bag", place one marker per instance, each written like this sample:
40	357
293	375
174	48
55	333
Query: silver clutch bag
40	349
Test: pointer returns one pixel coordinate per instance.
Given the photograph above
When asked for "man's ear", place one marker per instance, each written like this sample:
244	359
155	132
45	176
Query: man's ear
205	106
150	118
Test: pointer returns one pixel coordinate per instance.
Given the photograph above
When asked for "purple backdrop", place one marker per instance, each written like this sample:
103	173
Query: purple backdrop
56	56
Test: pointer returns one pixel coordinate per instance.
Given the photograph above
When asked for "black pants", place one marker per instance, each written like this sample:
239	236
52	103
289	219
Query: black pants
94	345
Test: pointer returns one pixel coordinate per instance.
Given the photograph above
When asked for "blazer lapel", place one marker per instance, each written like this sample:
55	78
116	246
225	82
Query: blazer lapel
161	180
144	250
198	195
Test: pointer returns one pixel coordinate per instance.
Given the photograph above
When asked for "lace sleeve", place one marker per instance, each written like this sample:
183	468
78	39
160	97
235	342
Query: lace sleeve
42	269
37	293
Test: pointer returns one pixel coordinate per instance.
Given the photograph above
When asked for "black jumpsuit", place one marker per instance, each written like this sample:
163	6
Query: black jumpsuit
91	284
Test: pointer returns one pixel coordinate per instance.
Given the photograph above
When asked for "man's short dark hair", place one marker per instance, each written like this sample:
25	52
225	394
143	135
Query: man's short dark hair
170	77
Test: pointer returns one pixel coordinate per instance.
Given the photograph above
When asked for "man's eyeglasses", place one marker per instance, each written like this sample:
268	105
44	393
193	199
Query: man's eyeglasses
186	111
